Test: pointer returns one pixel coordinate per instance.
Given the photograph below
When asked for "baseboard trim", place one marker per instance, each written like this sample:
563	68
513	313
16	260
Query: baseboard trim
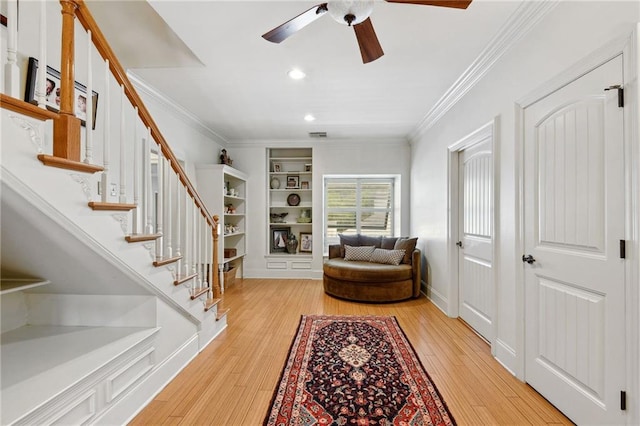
124	410
506	356
437	298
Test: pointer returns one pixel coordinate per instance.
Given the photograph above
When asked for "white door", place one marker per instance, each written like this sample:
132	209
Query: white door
475	272
573	223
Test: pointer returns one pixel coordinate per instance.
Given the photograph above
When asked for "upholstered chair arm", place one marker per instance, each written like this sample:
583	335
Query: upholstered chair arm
334	251
416	258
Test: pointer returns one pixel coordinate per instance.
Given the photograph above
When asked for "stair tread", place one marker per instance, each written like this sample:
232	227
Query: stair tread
72	352
211	303
135	238
99	205
183	278
221	313
166	260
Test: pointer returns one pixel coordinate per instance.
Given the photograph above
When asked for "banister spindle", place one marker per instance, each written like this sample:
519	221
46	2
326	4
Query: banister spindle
88	156
123	174
178	224
106	152
135	217
194	243
169	207
160	207
188	201
41	85
148	196
11	69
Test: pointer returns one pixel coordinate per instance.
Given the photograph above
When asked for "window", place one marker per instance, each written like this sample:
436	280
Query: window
360	204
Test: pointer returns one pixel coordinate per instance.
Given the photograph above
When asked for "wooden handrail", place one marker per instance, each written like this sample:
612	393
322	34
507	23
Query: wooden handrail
88	22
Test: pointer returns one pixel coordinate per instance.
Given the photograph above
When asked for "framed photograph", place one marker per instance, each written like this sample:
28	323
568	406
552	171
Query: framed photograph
307	167
279	238
53	92
306	242
293	181
304	184
277	167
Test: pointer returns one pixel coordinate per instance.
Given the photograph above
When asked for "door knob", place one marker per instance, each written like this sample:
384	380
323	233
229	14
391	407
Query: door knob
528	258
459	244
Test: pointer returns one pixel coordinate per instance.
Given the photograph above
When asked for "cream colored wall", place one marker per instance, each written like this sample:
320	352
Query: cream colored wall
570	32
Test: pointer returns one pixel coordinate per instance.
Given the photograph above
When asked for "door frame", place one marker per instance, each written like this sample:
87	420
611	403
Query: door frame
487	131
628	46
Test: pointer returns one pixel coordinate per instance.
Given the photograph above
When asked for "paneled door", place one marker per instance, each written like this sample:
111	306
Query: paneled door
475	260
573	223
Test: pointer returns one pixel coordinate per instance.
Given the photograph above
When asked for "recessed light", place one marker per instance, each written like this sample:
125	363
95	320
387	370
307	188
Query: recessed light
296	74
309	117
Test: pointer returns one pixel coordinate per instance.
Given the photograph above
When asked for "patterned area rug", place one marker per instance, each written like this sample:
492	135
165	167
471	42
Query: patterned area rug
354	370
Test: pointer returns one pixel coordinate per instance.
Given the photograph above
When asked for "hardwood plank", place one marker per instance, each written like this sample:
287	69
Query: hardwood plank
231	382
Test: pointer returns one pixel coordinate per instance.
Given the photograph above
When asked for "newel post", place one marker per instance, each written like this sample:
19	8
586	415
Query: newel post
215	272
66	128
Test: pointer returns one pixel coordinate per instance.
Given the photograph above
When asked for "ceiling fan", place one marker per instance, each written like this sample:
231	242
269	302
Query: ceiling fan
354	13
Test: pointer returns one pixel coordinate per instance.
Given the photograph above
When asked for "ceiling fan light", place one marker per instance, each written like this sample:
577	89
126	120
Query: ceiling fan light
340	9
296	74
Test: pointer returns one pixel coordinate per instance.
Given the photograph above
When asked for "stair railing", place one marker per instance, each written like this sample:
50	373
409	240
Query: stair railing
172	213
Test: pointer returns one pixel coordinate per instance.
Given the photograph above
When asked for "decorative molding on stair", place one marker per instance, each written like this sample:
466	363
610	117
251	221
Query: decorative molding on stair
123	220
526	17
84	184
34	134
63	163
173	107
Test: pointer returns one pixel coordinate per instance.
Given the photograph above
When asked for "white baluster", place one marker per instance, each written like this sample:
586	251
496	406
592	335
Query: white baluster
11	69
123	174
136	178
148	189
208	256
177	222
88	158
194	269
187	236
167	220
160	208
41	85
107	134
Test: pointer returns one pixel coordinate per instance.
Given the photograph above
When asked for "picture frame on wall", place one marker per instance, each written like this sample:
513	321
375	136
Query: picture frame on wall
52	100
279	238
306	242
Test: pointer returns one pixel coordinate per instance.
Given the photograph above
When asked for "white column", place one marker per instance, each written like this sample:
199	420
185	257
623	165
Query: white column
107	134
178	203
148	197
194	243
11	69
41	86
187	235
88	158
168	230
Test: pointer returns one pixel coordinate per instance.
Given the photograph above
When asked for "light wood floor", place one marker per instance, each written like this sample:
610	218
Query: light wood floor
231	382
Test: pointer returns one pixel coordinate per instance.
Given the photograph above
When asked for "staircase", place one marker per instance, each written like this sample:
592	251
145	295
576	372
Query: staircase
109	280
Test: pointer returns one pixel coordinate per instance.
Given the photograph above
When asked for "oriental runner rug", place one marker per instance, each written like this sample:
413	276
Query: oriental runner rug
354	370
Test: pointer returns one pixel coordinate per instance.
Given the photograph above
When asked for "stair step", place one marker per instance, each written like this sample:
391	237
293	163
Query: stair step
136	238
183	278
211	303
166	261
197	292
10	285
63	163
98	205
222	313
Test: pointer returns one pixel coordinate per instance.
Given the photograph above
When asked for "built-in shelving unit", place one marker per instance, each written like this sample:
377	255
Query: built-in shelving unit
224	189
290	207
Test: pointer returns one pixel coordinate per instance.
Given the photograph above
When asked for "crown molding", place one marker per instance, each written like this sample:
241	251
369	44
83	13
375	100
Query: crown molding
521	21
173	107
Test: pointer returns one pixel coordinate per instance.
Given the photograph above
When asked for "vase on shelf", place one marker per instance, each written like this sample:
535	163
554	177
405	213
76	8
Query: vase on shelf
292	244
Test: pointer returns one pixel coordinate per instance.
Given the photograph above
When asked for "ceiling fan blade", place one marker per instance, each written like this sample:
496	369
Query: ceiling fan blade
458	4
370	48
287	29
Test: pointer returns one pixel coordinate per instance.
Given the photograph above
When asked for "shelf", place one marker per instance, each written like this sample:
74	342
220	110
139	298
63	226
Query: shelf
235	234
10	285
291	159
234	197
290	190
234	214
290	223
285	206
231	259
289	255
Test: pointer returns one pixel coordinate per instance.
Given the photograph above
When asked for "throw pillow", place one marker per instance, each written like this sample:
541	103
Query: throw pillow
389	257
408	245
358	253
366	240
388	243
352	240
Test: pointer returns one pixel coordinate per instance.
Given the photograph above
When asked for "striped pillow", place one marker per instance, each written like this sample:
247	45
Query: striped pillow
358	253
389	257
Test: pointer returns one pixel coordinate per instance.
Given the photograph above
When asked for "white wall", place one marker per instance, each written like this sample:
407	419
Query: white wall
329	157
570	32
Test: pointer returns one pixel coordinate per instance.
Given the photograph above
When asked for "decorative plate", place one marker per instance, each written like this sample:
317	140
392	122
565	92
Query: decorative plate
293	199
275	183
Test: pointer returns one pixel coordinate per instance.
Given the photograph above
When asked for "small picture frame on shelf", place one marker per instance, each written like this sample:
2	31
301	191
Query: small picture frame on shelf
277	167
293	181
304	184
279	238
306	242
307	167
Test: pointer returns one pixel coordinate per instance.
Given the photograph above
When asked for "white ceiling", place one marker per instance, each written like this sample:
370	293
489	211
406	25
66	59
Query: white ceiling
210	59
